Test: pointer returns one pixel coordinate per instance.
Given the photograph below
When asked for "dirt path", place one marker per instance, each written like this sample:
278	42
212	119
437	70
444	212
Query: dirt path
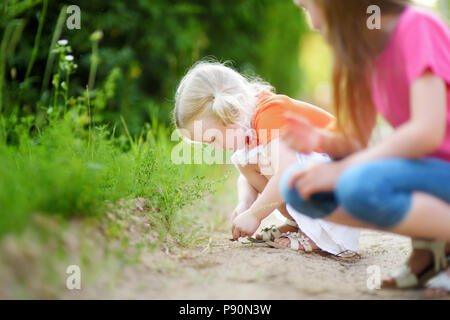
117	260
231	270
236	271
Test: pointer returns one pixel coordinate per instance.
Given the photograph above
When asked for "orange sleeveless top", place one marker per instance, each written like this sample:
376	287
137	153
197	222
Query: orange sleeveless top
269	122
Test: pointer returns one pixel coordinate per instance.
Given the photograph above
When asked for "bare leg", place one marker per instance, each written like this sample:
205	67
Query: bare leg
258	181
284	211
343	217
285	227
428	218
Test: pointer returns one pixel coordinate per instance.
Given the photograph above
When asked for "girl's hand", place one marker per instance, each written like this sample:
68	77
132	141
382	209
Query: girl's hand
245	225
317	178
240	208
300	135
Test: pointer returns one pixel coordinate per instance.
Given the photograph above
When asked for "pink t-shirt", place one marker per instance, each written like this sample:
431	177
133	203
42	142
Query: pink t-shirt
420	41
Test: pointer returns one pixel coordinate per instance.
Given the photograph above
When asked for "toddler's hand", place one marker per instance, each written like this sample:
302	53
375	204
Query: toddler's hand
245	225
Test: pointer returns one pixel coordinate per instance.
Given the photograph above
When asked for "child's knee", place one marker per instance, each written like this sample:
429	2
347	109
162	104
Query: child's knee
295	200
363	192
351	188
289	194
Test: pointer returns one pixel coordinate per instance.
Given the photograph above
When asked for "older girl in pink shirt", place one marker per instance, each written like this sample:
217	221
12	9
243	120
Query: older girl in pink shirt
402	184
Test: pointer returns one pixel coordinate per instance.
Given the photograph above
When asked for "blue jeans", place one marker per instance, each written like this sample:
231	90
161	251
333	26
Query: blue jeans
378	193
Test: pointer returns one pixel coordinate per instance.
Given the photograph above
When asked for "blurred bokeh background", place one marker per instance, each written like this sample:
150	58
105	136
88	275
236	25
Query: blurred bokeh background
153	43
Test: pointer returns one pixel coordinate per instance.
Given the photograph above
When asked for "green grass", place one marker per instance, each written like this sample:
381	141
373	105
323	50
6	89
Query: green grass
68	170
63	162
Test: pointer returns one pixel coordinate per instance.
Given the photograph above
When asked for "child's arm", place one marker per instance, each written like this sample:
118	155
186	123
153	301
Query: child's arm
253	177
270	199
246	193
246	196
423	133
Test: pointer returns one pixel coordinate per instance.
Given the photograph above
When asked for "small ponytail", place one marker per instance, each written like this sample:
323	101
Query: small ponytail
227	108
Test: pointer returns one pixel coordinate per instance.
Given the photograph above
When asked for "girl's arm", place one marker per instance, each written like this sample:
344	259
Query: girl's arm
253	177
270	199
246	193
302	136
246	196
423	133
336	145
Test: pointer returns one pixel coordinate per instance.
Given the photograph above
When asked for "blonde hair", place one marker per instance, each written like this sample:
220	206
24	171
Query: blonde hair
213	88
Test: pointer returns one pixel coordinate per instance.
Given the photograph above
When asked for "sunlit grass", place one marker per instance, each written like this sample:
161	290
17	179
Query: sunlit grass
427	3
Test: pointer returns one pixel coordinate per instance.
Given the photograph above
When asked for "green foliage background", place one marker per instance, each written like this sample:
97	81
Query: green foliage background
153	43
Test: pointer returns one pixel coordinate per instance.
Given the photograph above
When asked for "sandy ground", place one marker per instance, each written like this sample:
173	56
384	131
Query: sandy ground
215	268
236	271
224	269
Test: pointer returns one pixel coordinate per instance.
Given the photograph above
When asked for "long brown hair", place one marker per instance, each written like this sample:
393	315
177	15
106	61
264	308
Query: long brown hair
354	47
